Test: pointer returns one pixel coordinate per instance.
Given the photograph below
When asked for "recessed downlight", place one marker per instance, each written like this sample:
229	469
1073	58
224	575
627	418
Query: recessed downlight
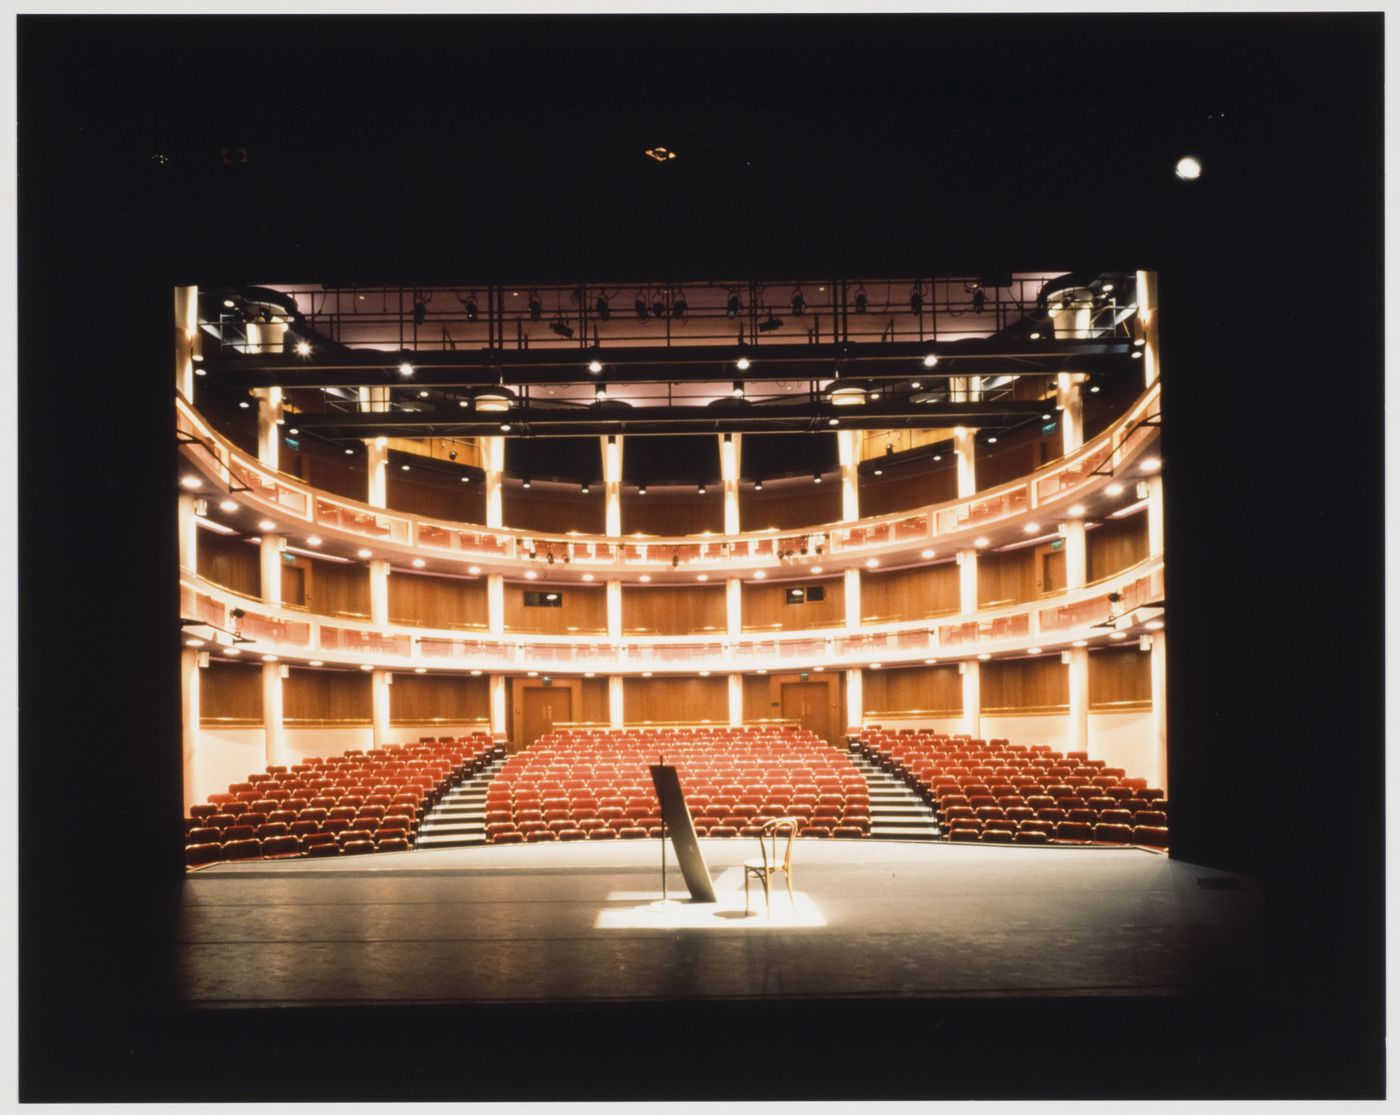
1079	643
588	576
1077	511
228	505
269	658
315	662
871	563
981	543
816	569
983	657
530	574
190	482
233	652
1114	489
1032	528
313	540
194	642
364	553
1032	650
645	578
926	554
418	563
266	524
473	569
1150	464
420	669
1118	635
1153	625
759	574
366	667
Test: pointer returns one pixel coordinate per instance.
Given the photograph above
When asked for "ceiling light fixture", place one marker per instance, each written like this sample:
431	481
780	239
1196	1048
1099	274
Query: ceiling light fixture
473	569
595	366
930	360
742	364
266	524
645	578
190	482
418	563
1188	168
926	554
405	369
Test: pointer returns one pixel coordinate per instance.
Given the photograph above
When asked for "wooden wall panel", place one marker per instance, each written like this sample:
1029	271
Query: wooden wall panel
228	561
910	689
758	699
1025	684
584	610
436	495
1115	545
230	692
555	512
327	697
766	609
903	487
340	475
1002	463
675	699
1007	578
673	609
918	593
439	698
338	589
1120	677
437	601
789	507
673	515
595	701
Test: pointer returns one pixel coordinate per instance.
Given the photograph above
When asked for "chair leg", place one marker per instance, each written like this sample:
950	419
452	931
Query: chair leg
746	894
767	895
787	877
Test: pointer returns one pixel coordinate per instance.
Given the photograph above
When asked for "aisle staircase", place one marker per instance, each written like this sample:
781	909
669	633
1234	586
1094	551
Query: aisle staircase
459	819
896	812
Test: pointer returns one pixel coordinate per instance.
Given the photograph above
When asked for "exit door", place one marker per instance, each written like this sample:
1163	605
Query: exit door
809	703
541	708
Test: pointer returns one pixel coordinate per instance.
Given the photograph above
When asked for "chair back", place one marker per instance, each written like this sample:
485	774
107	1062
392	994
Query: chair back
773	831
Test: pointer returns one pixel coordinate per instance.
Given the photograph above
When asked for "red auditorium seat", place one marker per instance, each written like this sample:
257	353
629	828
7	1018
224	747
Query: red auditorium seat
281	847
1150	817
1073	831
998	836
603	833
571	834
1047	828
252	820
203	810
270	829
242	849
964	835
204	835
357	848
1115	817
198	855
1031	836
1151	836
508	838
1113	834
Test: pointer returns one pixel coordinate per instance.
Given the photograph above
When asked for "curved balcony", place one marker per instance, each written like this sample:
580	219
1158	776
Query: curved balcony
1049	623
896	538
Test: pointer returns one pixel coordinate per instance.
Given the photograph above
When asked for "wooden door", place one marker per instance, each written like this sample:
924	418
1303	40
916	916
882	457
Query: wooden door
809	703
1049	568
541	708
296	582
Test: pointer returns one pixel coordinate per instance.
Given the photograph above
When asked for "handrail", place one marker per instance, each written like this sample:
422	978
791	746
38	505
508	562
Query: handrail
279	493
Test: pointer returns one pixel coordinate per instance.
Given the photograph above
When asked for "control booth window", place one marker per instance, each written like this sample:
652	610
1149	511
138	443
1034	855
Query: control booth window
805	595
544	599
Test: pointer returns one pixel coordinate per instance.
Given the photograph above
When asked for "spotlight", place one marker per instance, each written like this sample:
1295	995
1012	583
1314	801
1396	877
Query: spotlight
916	301
738	390
930	360
641	306
675	560
679	307
658	308
561	327
979	300
758	485
595	366
889	449
1188	169
700	488
641	489
600	393
799	304
733	306
742	363
303	348
770	324
816	477
536	307
525	483
405	369
583	490
601	308
452	454
420	311
862	301
470	306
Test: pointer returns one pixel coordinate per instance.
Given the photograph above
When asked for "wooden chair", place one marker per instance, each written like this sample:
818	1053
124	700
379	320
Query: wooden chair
765	867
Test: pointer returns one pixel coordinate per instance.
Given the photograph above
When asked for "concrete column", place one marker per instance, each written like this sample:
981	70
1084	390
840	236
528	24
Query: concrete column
612	484
377	462
379	681
615	709
276	744
734	607
855	698
967	581
971	671
498	704
1071	403
1076	661
736	700
1156	515
729	462
1076	553
848	451
188	532
852	593
189	725
965	448
379	591
1158	667
270	567
496	603
1149	326
269	432
188	343
493	462
614	605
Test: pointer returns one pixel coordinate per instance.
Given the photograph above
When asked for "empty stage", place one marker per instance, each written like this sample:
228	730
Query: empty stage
575	922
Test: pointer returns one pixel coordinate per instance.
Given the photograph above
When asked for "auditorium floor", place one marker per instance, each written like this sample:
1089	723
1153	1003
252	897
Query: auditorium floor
574	922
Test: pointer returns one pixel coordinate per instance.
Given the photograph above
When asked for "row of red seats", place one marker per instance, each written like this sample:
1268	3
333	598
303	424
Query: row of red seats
352	804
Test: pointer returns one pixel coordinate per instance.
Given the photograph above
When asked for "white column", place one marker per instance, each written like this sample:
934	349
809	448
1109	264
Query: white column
379	681
855	698
965	448
270	567
1148	323
497	686
188	532
612	484
493	462
615	709
379	590
736	700
1071	403
189	724
852	594
967	581
1158	667
377	462
496	603
614	606
1156	509
848	451
187	339
971	671
729	457
1076	553
1076	660
734	607
275	747
269	432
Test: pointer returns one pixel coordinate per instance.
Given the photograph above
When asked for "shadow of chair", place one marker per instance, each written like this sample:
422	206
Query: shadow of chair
765	867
